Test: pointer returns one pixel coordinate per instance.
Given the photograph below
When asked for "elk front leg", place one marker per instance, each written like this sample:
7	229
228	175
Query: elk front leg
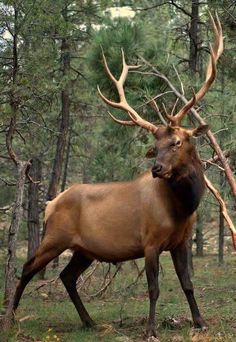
152	271
77	265
180	260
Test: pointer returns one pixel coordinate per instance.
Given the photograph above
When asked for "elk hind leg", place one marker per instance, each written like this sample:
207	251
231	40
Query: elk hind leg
180	259
45	253
77	265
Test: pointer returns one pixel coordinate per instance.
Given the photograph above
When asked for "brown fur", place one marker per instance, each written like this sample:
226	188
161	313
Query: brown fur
116	221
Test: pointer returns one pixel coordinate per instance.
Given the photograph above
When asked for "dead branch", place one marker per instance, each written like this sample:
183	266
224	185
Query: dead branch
140	274
169	2
6	208
180	81
105	287
214	160
45	283
156	109
88	275
209	162
223	208
28	175
6	182
9	138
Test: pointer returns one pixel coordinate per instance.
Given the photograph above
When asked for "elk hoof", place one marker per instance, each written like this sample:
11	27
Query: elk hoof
153	339
152	335
89	324
199	323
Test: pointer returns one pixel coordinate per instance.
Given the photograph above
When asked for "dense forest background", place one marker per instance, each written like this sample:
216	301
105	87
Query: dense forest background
51	65
54	128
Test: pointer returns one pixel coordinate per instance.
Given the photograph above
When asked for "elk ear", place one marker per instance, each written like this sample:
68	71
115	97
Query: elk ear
151	153
198	131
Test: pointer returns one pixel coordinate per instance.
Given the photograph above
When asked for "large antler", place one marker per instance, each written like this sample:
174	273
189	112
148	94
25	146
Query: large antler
215	52
123	104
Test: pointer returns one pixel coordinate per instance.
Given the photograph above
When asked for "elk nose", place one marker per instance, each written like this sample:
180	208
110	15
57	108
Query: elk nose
156	170
158	167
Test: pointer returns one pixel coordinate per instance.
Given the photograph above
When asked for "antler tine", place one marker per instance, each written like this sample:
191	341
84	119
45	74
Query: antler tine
123	104
126	68
215	53
221	38
173	109
176	120
121	122
218	44
211	75
109	102
114	80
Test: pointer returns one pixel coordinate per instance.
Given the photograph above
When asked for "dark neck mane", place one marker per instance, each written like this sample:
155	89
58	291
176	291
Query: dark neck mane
188	185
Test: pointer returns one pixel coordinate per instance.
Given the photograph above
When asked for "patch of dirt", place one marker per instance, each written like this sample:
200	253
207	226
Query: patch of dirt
200	337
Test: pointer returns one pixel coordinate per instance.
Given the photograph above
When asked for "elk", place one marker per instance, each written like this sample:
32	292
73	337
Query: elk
120	221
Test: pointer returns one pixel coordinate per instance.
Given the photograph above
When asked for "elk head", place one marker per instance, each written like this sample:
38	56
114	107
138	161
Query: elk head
173	147
173	150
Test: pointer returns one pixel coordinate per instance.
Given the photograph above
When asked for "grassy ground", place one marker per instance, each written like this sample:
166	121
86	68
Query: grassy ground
46	313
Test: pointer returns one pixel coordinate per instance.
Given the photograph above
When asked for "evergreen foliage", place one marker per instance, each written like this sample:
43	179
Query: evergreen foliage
100	150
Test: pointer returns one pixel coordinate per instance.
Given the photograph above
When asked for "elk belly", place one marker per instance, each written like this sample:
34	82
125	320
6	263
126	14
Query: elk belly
109	228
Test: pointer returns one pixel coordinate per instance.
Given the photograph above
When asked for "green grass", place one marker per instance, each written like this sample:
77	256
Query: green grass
49	315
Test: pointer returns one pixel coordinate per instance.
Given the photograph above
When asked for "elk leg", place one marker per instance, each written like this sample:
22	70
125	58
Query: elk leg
180	260
77	265
152	272
43	256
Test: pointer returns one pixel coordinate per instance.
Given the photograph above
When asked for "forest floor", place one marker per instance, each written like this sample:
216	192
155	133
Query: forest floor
47	314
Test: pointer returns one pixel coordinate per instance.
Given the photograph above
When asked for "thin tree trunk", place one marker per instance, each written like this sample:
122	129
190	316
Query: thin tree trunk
64	178
33	208
13	230
194	37
222	180
221	238
64	127
193	63
21	167
221	230
55	263
12	242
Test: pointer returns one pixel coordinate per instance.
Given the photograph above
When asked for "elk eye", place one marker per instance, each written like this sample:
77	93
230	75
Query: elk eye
178	143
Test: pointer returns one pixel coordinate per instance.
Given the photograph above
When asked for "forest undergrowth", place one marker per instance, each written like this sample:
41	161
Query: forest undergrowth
120	309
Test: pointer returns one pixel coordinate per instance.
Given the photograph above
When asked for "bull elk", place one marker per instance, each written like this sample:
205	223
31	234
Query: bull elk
121	221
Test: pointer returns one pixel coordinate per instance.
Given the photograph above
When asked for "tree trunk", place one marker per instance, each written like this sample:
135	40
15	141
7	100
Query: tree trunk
64	178
221	238
64	127
22	167
33	207
12	241
221	229
194	37
199	236
13	230
193	64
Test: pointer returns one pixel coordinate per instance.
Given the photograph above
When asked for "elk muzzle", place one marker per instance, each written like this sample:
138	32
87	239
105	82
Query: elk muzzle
161	170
